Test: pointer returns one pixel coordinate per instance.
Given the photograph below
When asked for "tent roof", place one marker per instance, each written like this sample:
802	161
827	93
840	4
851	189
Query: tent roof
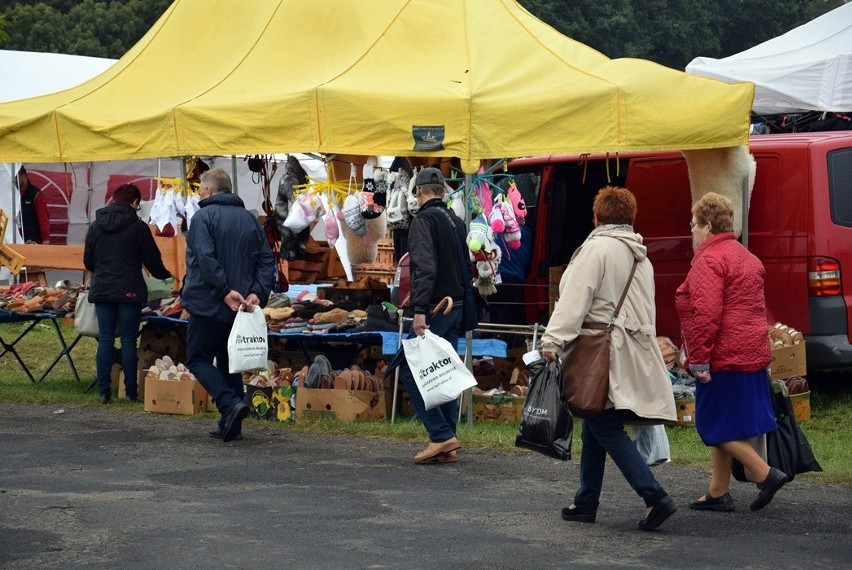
45	72
807	69
357	77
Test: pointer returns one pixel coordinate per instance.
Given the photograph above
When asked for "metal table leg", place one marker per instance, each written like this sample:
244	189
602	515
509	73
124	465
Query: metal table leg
10	347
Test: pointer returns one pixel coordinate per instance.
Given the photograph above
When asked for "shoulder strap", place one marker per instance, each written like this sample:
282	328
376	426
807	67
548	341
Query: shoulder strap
624	293
465	268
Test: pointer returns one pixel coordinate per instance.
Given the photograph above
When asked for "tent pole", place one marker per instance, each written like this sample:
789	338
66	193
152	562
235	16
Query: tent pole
15	197
468	346
235	183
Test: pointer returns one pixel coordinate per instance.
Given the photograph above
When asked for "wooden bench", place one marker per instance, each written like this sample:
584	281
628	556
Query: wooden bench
41	258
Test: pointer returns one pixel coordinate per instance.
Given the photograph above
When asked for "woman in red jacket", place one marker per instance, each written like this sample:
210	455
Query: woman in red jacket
722	313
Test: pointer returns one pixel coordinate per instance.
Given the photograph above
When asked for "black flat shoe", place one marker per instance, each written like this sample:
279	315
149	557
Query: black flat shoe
104	399
578	514
234	421
773	482
723	504
217	434
664	508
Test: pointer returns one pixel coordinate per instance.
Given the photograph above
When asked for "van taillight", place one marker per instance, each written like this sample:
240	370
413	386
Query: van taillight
823	277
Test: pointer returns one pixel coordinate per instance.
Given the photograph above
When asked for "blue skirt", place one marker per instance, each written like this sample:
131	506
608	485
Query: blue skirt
733	406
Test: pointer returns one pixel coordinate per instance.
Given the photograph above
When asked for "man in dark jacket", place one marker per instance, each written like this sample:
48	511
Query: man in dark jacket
433	237
117	245
34	216
229	266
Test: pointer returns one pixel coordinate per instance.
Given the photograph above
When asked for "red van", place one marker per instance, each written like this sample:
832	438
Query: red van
799	225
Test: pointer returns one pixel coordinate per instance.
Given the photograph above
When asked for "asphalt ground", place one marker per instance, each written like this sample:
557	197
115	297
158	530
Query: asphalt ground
106	488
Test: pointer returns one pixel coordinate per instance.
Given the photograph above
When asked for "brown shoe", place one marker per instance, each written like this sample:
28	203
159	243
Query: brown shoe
448	457
437	448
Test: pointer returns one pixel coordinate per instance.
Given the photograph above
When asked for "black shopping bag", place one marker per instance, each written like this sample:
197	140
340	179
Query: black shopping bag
547	424
787	448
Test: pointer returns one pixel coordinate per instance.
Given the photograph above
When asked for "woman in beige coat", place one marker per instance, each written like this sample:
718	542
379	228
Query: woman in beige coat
639	385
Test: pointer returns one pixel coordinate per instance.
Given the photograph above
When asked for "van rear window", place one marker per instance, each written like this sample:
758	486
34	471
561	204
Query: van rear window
840	186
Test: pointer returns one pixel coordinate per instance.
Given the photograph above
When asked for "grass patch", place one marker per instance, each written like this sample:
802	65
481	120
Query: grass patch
829	430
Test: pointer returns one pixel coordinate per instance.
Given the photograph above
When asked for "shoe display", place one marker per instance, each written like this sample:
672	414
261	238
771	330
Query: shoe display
578	514
435	449
664	508
218	434
723	503
234	423
773	482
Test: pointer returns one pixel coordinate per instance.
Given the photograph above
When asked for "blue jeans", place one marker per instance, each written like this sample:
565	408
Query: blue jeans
602	435
207	339
125	317
440	422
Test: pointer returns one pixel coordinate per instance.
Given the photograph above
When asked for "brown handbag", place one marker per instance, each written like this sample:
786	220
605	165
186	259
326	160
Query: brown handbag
585	365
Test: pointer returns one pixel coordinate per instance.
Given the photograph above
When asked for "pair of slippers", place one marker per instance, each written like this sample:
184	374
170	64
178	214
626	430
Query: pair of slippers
319	367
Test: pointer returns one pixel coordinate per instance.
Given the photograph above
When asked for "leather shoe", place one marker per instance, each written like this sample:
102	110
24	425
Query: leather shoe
448	457
578	514
104	399
774	481
723	504
218	434
663	509
234	422
437	448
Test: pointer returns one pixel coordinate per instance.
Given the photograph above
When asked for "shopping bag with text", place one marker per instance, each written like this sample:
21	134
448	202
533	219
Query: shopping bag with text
438	371
248	345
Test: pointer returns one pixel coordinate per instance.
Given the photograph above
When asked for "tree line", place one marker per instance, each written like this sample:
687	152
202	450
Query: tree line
669	32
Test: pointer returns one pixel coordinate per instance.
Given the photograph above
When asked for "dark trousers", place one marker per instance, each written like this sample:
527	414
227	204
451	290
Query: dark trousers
125	318
440	421
207	339
605	435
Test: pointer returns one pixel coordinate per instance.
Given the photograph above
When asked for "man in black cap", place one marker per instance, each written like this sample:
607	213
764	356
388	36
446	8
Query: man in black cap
34	218
434	235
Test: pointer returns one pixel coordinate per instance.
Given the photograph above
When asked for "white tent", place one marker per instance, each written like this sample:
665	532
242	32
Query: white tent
807	69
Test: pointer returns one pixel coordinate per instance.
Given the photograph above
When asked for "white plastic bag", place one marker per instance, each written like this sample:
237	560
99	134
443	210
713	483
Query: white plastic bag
438	371
652	443
248	344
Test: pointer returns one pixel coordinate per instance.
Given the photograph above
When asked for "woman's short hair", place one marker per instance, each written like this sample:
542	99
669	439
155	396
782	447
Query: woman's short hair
614	205
126	194
716	210
217	180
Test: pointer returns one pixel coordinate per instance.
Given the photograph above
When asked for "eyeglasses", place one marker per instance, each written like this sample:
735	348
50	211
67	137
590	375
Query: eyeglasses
692	224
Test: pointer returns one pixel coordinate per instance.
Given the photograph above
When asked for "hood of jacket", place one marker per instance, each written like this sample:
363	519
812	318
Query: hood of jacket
626	235
115	217
222	199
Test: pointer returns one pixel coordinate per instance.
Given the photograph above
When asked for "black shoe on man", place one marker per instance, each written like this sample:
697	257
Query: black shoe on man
219	434
234	422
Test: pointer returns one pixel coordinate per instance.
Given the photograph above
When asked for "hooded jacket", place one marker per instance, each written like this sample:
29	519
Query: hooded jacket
117	245
589	291
722	308
226	249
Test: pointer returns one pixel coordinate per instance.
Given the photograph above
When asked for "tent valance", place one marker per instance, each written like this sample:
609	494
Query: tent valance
474	79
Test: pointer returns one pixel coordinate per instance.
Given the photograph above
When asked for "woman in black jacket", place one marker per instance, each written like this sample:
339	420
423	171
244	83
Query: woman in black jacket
118	244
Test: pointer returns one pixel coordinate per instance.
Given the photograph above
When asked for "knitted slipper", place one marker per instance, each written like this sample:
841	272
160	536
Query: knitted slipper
495	220
479	233
517	201
352	215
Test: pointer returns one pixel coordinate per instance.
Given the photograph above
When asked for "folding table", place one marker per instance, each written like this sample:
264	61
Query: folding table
33	319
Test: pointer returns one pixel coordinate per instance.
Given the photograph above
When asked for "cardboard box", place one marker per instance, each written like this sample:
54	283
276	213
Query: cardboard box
140	385
801	406
788	361
499	408
685	411
271	402
186	397
346	405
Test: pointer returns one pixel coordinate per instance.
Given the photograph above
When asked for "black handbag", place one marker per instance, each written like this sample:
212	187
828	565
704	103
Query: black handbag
787	448
546	425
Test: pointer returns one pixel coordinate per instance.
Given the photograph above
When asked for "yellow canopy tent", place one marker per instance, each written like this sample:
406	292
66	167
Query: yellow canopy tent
474	79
